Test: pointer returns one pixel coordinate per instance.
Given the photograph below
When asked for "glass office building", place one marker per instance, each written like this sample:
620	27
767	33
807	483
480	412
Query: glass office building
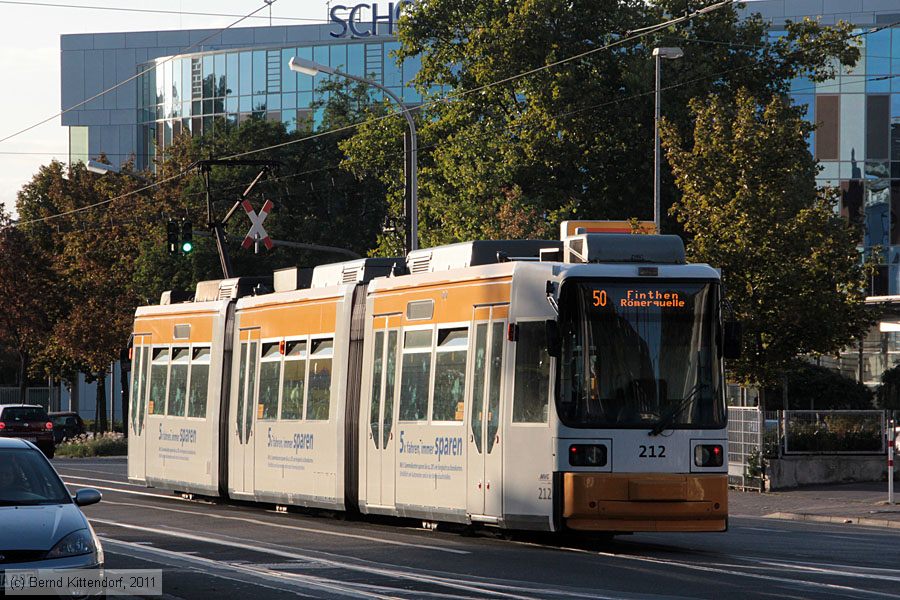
191	93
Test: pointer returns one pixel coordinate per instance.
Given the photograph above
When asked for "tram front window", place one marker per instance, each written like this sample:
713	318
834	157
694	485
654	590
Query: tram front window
639	355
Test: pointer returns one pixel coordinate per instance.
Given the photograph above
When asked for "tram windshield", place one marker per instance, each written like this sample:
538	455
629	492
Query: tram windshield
640	354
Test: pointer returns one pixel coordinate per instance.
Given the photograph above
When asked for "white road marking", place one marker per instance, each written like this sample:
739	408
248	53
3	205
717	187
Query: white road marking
67	476
293	527
449	582
135	492
232	571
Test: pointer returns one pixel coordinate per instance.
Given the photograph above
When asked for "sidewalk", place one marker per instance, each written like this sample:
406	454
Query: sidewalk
855	503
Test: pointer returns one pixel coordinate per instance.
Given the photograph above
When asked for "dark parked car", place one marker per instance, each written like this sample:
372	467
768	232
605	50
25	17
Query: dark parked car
30	423
66	425
41	525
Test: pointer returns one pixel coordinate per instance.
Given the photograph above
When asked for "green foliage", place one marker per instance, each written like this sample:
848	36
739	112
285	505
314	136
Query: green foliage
573	140
888	394
750	206
88	444
836	433
812	387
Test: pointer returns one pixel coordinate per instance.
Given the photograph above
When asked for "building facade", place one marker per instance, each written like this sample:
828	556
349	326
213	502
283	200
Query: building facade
189	78
241	72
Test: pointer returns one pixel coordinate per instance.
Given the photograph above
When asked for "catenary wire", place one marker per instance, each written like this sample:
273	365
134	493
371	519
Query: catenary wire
139	74
157	11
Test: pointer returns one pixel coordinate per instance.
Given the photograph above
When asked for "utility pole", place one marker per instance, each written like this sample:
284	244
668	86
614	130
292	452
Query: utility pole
218	227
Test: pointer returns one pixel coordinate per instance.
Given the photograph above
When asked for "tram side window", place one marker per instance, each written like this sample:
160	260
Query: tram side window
251	389
415	373
377	372
158	375
199	388
242	367
390	376
294	381
134	403
142	387
178	382
269	381
319	380
532	374
450	375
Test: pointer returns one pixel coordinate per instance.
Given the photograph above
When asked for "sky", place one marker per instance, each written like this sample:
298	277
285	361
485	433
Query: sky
29	64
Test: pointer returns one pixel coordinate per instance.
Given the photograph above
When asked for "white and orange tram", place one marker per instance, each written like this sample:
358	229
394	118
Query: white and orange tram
542	385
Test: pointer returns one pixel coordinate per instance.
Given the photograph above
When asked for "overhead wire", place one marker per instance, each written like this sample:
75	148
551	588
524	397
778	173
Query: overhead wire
200	42
156	11
642	33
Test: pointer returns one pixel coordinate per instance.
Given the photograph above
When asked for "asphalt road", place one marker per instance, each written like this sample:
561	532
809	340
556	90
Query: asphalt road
238	551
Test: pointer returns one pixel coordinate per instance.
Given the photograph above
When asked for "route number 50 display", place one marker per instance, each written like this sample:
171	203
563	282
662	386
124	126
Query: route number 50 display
599	297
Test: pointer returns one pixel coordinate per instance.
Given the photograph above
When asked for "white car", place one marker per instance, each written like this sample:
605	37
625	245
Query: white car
41	525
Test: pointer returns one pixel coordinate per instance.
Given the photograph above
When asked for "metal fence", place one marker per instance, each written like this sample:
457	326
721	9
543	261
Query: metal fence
833	432
33	395
745	440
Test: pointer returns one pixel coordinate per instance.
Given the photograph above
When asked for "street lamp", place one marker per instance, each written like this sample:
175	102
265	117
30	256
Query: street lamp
668	53
95	166
308	67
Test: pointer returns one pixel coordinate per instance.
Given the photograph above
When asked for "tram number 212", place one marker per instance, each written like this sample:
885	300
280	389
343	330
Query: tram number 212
652	452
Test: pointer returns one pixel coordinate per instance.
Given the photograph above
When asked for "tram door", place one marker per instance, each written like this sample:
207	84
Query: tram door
485	465
381	446
242	454
137	444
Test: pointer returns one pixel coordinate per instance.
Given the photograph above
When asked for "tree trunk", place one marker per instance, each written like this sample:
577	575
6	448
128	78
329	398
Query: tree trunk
101	423
23	377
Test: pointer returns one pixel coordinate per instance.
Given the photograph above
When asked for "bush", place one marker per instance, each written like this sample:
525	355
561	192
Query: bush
836	433
811	387
89	444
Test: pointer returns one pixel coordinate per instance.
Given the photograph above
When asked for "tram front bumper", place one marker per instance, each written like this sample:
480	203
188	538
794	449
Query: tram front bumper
645	502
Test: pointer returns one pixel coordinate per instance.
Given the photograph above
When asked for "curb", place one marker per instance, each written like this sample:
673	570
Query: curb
891	524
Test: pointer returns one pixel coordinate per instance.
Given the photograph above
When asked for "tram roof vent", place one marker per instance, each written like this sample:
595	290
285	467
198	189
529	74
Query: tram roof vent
354	271
292	278
175	297
481	252
619	248
231	289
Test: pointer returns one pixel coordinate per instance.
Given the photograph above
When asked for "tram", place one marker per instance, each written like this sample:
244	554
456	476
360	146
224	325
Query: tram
536	385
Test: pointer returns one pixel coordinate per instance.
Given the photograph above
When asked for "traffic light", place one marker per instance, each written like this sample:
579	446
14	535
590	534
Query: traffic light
187	237
172	236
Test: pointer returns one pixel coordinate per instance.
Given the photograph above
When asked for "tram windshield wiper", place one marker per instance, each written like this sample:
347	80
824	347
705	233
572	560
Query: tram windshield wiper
667	419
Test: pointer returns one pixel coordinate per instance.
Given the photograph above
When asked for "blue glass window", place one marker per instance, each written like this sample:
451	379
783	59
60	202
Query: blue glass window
273	102
246	68
289	101
219	66
393	76
339	57
231	74
411	66
304	99
231	104
305	82
320	55
259	72
355	61
288	77
246	104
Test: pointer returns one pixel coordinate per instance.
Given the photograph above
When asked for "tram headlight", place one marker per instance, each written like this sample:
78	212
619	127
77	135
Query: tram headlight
587	455
709	455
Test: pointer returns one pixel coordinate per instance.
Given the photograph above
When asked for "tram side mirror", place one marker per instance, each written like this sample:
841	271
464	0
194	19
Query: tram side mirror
733	340
553	338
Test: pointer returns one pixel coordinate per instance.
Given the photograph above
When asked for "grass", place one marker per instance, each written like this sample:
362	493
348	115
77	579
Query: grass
89	444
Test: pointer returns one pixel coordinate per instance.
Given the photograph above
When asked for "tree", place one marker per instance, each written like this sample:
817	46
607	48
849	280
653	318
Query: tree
750	206
888	393
27	306
813	387
571	140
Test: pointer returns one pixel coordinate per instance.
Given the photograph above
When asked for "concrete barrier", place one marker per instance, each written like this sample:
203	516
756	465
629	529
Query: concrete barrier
794	471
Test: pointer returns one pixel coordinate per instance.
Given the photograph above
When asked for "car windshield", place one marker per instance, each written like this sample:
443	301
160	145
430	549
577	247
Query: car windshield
24	413
639	355
27	479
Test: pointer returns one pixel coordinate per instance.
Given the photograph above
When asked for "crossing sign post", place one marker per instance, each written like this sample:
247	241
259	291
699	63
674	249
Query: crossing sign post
257	232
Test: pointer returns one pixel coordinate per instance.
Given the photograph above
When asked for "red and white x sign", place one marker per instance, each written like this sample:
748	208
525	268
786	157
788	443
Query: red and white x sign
257	232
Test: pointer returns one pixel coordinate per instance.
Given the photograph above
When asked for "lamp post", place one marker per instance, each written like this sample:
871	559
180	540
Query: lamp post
410	142
659	53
